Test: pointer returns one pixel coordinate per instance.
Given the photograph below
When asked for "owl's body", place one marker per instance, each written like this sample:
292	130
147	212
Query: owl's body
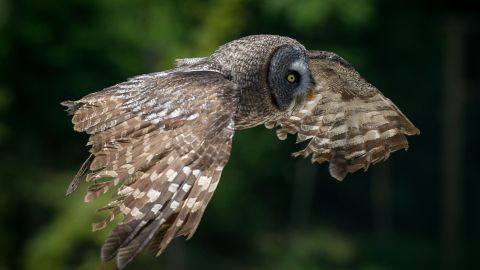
164	138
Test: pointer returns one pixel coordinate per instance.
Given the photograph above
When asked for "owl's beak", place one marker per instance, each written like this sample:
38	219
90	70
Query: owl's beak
310	94
306	96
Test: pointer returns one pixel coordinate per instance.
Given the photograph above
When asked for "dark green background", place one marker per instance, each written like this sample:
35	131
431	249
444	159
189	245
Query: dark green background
418	210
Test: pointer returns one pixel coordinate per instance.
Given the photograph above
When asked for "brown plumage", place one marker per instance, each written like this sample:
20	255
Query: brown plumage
162	139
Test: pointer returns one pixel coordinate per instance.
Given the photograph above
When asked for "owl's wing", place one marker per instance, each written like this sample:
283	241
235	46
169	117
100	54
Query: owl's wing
348	121
163	139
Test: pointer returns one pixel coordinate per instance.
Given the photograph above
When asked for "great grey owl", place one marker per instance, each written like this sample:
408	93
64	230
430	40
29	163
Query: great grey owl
164	138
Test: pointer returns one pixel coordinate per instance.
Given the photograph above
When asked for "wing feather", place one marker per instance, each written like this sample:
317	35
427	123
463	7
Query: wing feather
163	139
347	121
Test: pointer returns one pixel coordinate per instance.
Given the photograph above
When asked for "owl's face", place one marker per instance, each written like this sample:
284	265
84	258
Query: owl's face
288	75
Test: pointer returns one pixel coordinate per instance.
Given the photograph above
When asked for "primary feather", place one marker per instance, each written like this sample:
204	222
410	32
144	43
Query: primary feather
166	155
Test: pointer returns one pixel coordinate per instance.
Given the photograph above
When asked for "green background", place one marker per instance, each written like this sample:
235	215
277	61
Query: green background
418	210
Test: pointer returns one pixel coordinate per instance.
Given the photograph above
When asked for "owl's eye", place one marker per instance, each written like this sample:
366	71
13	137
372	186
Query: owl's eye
292	77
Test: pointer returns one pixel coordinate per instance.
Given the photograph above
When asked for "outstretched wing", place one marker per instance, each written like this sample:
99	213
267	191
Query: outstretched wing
348	121
163	139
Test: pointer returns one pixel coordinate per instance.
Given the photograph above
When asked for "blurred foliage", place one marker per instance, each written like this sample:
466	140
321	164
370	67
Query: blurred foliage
307	15
56	50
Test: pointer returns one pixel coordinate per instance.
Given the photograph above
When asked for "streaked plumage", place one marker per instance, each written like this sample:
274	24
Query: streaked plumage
163	139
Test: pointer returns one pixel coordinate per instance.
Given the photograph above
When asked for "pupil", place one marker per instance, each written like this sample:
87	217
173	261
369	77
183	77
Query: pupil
292	77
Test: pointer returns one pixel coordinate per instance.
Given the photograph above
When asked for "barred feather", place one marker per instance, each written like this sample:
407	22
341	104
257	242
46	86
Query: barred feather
347	121
163	139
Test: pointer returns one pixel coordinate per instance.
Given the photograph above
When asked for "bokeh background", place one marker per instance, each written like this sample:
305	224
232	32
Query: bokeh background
418	210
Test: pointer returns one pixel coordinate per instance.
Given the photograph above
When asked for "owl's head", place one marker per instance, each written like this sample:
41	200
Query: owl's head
271	72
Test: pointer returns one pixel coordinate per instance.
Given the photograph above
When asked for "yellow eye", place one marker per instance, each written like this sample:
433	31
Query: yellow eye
291	77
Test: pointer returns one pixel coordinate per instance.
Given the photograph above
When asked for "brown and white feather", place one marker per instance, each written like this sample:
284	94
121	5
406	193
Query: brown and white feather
348	122
163	139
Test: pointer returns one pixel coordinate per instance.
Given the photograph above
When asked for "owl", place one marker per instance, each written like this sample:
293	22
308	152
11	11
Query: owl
161	140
